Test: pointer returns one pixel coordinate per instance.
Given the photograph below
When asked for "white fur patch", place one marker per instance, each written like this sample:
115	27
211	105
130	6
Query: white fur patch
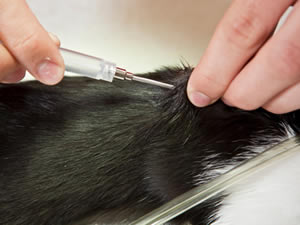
271	197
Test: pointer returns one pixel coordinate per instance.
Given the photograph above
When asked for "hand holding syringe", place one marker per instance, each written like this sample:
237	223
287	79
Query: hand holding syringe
100	69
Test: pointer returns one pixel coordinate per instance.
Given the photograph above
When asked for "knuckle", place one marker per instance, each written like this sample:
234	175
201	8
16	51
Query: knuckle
28	42
246	32
287	60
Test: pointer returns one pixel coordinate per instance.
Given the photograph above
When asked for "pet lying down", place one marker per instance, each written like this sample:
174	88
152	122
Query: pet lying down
88	147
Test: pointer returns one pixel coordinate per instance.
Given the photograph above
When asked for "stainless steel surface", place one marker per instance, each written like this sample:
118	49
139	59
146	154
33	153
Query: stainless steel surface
122	74
202	193
153	82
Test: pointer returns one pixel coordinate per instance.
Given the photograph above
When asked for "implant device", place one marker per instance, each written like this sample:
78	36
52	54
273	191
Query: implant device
99	69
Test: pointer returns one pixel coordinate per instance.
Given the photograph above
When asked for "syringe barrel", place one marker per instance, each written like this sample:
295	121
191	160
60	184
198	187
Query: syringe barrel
88	66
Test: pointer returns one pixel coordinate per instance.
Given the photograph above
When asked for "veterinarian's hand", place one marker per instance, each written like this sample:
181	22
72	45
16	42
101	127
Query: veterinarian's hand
26	46
245	68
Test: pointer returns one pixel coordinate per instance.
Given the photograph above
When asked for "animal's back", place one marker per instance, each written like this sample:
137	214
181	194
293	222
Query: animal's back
68	149
84	145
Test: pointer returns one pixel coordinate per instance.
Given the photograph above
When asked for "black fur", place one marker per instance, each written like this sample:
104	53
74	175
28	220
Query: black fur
87	145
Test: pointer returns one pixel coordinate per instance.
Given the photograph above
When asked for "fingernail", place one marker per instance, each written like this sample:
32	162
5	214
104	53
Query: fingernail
49	72
199	99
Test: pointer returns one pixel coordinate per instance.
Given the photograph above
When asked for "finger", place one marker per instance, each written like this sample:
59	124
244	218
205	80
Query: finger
8	64
286	101
55	39
241	32
10	70
14	77
28	42
274	68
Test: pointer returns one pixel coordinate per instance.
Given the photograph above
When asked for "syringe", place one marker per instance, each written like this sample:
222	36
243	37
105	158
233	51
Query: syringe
99	69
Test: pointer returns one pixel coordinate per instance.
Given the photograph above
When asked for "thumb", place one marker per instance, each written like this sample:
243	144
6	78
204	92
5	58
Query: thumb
29	43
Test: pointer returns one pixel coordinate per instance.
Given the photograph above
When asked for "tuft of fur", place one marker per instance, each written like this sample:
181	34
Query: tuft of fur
87	145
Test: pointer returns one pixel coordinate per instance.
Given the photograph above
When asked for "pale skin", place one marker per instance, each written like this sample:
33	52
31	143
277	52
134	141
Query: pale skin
243	65
247	67
26	45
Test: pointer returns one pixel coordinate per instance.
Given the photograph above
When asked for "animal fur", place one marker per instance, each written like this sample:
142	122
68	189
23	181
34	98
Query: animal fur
87	146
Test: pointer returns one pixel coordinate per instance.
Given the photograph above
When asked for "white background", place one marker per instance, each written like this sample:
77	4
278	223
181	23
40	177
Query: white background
139	35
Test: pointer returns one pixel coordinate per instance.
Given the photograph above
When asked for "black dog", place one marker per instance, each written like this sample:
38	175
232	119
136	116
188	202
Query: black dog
87	145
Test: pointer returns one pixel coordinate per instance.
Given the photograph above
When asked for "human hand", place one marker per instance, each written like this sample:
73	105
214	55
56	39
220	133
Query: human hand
26	46
246	67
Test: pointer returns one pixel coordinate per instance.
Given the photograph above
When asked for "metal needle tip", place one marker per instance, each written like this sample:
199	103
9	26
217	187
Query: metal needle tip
124	75
152	82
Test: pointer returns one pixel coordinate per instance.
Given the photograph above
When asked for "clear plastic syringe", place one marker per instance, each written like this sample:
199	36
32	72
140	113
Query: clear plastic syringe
99	69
